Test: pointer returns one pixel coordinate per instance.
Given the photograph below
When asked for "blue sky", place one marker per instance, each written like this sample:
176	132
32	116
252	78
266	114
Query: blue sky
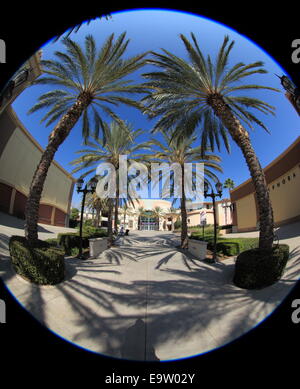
156	29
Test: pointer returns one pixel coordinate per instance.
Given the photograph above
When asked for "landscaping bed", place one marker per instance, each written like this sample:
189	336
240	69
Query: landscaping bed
70	242
42	263
227	247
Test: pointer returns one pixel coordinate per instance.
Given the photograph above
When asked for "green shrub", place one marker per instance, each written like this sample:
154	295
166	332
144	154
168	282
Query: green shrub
53	242
41	264
94	231
232	247
177	224
258	268
70	241
228	247
88	223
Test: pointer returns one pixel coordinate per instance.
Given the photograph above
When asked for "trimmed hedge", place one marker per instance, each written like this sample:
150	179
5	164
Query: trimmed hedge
259	268
228	247
41	264
53	242
70	241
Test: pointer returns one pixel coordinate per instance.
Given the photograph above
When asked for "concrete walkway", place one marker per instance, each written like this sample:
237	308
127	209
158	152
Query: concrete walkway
147	300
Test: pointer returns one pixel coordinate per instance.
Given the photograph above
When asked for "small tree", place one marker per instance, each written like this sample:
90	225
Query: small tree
74	215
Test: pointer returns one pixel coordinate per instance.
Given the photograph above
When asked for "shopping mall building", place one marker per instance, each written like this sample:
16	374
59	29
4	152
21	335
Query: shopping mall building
20	154
159	215
283	179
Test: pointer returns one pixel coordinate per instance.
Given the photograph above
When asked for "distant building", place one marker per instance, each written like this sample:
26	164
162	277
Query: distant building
143	217
157	214
200	212
283	179
20	154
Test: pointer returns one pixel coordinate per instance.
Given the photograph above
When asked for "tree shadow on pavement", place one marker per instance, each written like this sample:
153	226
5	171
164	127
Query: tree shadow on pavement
101	310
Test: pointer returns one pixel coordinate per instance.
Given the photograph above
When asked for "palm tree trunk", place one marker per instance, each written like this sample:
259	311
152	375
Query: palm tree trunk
241	138
97	218
109	221
56	138
117	203
184	231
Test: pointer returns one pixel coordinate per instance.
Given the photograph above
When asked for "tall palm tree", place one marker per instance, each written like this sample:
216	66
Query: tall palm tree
157	213
229	184
120	139
99	205
180	150
125	210
141	213
90	80
202	90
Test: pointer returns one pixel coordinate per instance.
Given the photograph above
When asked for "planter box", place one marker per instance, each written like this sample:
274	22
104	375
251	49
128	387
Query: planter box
97	246
197	248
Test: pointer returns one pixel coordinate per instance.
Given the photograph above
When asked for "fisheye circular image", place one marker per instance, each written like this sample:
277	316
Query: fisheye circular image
149	180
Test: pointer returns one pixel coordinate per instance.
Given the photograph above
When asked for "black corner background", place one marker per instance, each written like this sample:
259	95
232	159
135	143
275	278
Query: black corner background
25	345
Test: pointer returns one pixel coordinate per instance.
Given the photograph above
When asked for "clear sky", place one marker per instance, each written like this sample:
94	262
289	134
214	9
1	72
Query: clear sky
156	29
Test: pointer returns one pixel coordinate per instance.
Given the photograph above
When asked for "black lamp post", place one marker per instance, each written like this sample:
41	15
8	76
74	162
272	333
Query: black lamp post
292	92
90	187
213	195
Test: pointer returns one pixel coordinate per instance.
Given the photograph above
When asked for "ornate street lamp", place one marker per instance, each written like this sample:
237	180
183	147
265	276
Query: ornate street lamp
292	92
219	188
90	187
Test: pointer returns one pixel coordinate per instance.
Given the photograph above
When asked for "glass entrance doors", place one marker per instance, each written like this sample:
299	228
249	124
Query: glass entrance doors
148	223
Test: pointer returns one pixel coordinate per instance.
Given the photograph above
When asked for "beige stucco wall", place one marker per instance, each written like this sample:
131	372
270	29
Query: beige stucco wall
194	217
246	212
18	163
285	198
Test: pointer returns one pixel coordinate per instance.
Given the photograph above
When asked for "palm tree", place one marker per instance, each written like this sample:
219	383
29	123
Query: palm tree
185	94
120	139
157	213
178	149
91	80
99	205
125	210
229	184
141	213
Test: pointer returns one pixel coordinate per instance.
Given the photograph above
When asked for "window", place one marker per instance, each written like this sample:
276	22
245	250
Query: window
294	175
283	181
289	178
273	186
278	184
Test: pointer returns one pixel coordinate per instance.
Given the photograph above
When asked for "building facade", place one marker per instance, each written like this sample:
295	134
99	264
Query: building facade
283	179
20	154
203	213
148	214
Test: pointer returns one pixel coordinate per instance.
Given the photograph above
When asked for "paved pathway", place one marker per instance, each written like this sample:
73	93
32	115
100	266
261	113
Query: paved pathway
147	300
